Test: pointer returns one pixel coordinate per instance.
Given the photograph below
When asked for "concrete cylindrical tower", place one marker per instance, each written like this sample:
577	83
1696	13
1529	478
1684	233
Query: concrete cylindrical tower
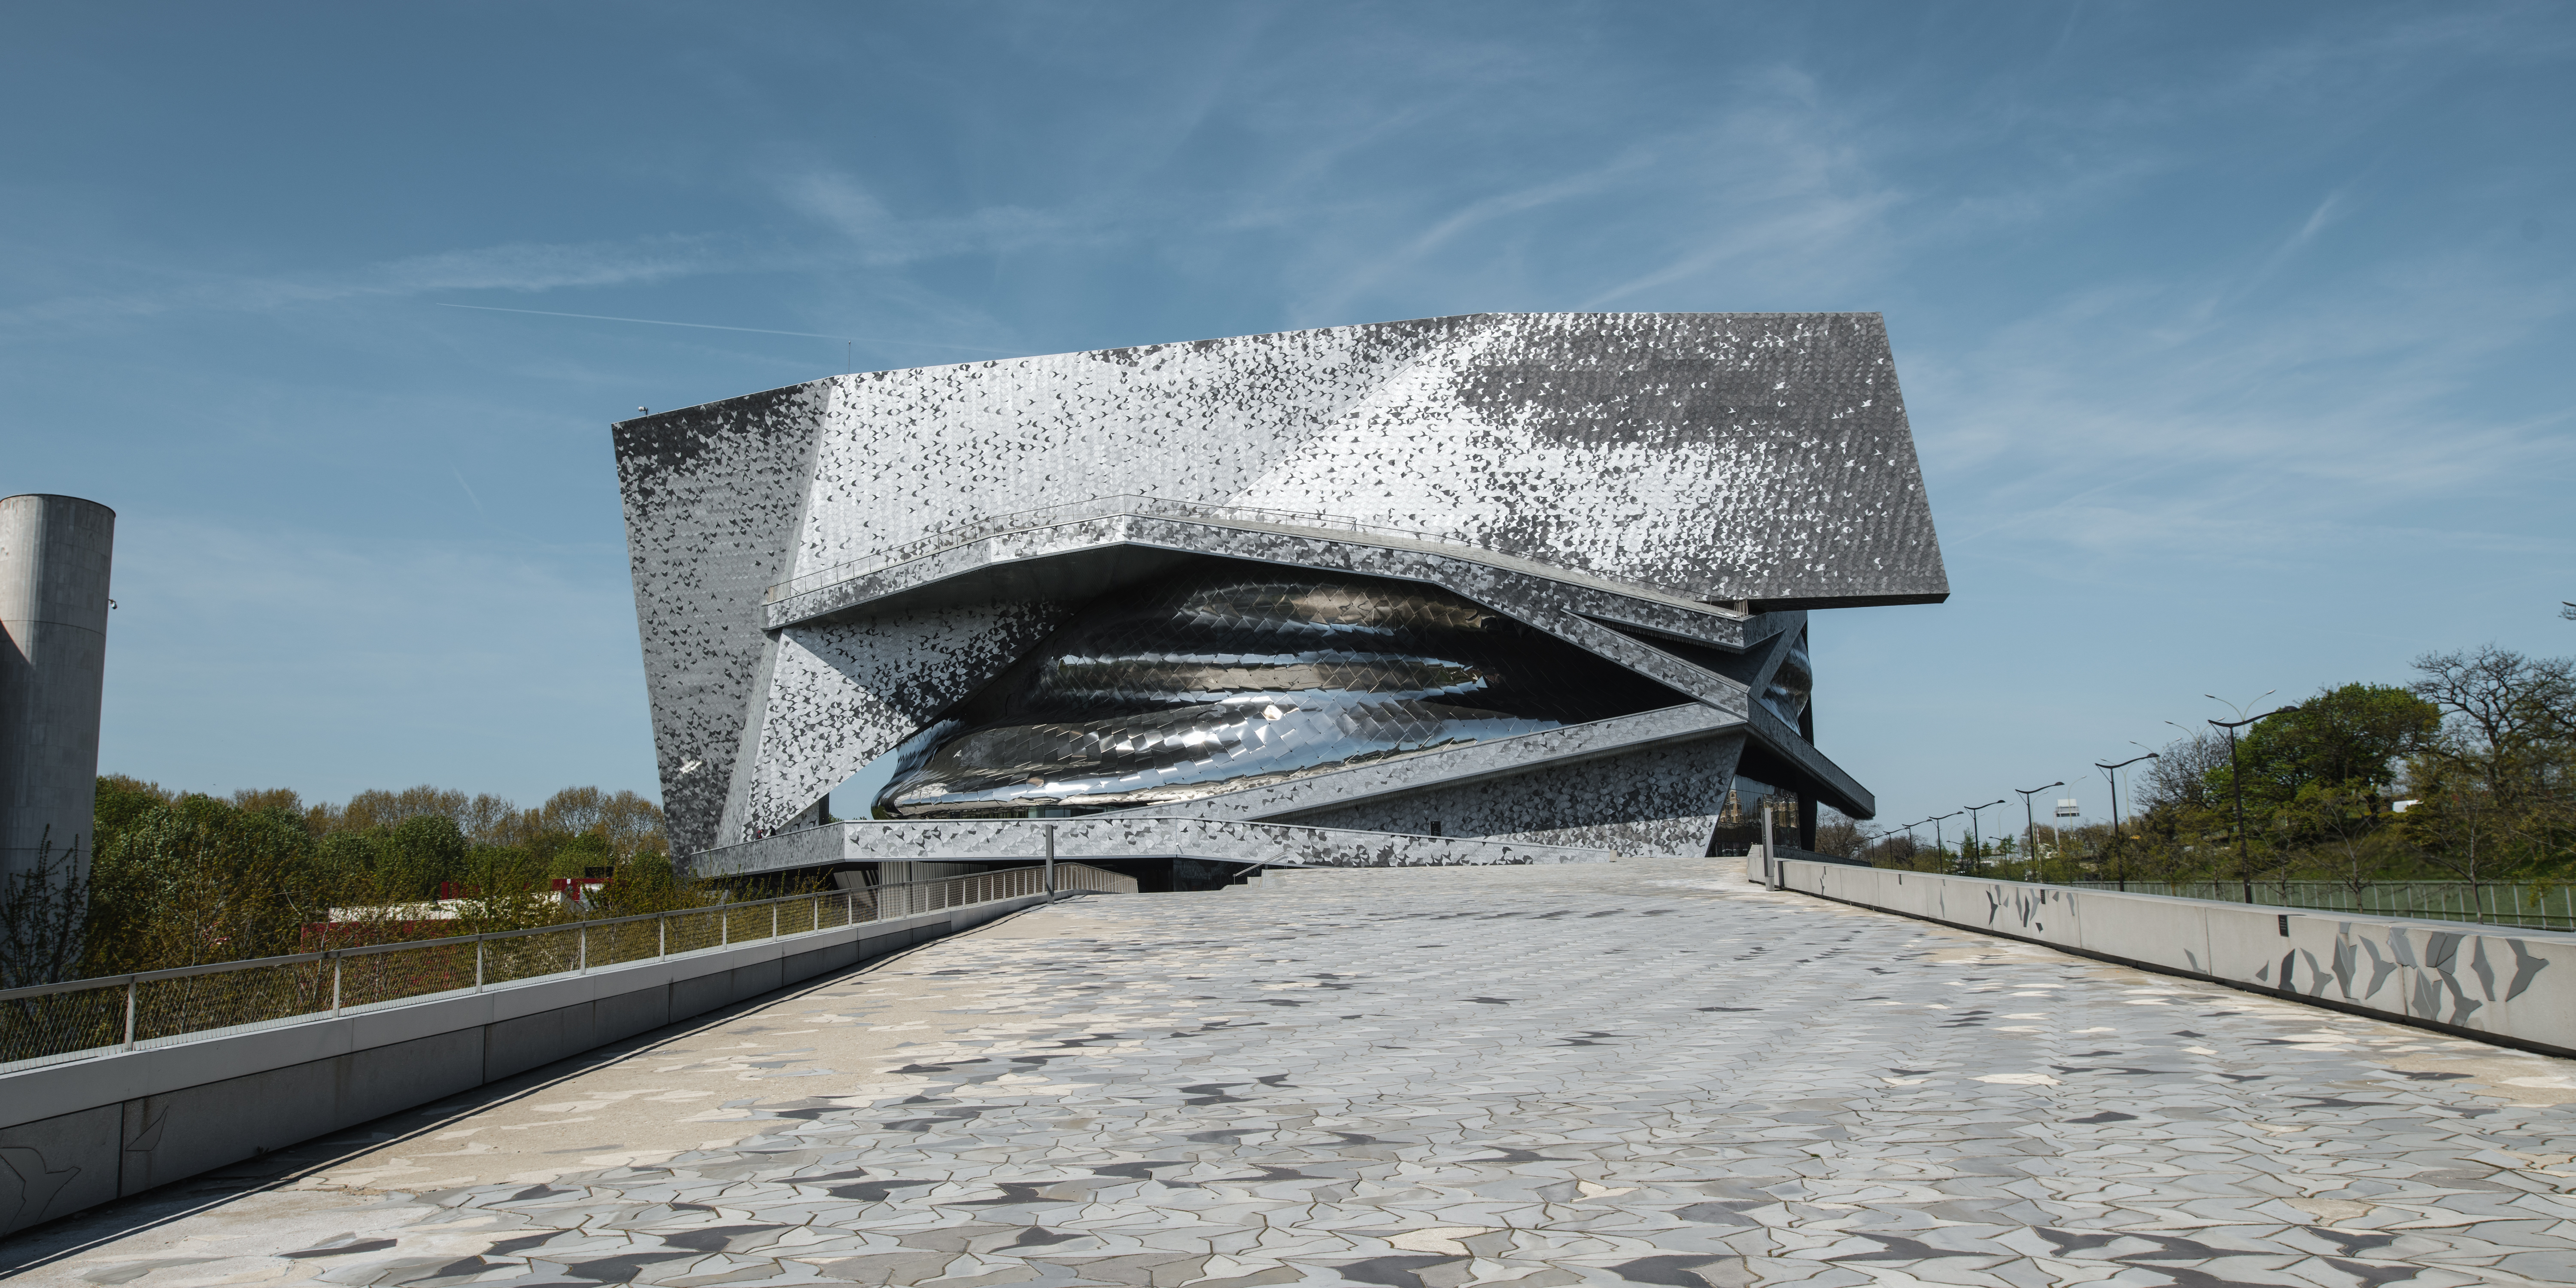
53	665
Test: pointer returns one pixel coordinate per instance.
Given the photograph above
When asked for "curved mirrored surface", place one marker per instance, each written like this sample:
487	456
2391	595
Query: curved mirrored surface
1793	683
1231	675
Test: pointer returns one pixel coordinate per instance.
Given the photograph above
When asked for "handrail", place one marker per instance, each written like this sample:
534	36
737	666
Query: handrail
967	533
402	945
33	1032
2137	889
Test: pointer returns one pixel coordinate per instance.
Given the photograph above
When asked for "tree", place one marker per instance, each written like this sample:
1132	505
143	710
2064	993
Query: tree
2495	784
2348	829
420	852
579	854
490	820
44	913
200	880
2177	813
578	828
2509	719
633	825
180	880
1838	835
1894	850
2181	774
279	798
371	811
2459	826
627	821
121	803
351	858
2351	738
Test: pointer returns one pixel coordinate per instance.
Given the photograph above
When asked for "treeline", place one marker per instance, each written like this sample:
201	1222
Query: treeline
2468	774
183	879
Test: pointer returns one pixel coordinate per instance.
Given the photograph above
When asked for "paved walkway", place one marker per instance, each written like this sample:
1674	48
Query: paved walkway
1642	1073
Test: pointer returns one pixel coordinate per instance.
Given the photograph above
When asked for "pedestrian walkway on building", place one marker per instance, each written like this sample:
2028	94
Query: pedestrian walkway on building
1643	1073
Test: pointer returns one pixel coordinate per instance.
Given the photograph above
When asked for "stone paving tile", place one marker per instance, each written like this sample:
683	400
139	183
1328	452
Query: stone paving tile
1642	1073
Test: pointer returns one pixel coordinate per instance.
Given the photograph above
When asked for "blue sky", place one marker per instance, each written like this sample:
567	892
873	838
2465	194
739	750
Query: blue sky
2235	336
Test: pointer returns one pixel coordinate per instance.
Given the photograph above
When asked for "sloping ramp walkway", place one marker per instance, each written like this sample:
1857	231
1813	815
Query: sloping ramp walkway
1633	1073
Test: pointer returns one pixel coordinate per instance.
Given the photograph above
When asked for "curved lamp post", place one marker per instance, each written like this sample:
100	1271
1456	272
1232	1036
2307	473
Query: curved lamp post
1935	821
2236	779
2030	824
1973	831
2120	862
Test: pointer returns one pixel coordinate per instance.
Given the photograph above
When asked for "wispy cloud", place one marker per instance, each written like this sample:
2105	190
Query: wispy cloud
2335	205
1782	188
1336	297
883	239
1772	189
526	268
539	267
710	326
2131	419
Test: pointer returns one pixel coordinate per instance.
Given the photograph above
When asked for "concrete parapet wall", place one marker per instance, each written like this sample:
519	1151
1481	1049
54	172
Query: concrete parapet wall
1120	836
2508	986
78	1134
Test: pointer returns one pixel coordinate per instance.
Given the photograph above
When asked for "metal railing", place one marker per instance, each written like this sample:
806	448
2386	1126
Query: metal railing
2494	904
1126	505
79	1019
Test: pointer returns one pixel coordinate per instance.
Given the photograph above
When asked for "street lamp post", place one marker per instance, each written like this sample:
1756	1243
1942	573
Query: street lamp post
1974	831
2030	824
1935	821
2120	859
2236	779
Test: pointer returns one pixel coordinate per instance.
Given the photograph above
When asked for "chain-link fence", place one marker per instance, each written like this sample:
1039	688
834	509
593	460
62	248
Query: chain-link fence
77	1019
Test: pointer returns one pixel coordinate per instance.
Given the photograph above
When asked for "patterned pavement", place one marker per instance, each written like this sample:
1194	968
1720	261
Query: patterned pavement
1640	1073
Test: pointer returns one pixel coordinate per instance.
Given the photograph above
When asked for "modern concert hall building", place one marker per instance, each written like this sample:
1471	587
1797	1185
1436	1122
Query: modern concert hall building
1494	588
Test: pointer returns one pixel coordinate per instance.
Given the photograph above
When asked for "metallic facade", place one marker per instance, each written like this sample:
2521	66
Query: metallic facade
1589	545
1231	675
1104	838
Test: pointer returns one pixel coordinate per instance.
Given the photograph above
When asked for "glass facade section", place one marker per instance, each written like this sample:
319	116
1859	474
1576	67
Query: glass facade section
1739	823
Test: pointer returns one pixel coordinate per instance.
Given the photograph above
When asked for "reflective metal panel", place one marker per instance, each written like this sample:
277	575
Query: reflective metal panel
1232	675
1793	683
